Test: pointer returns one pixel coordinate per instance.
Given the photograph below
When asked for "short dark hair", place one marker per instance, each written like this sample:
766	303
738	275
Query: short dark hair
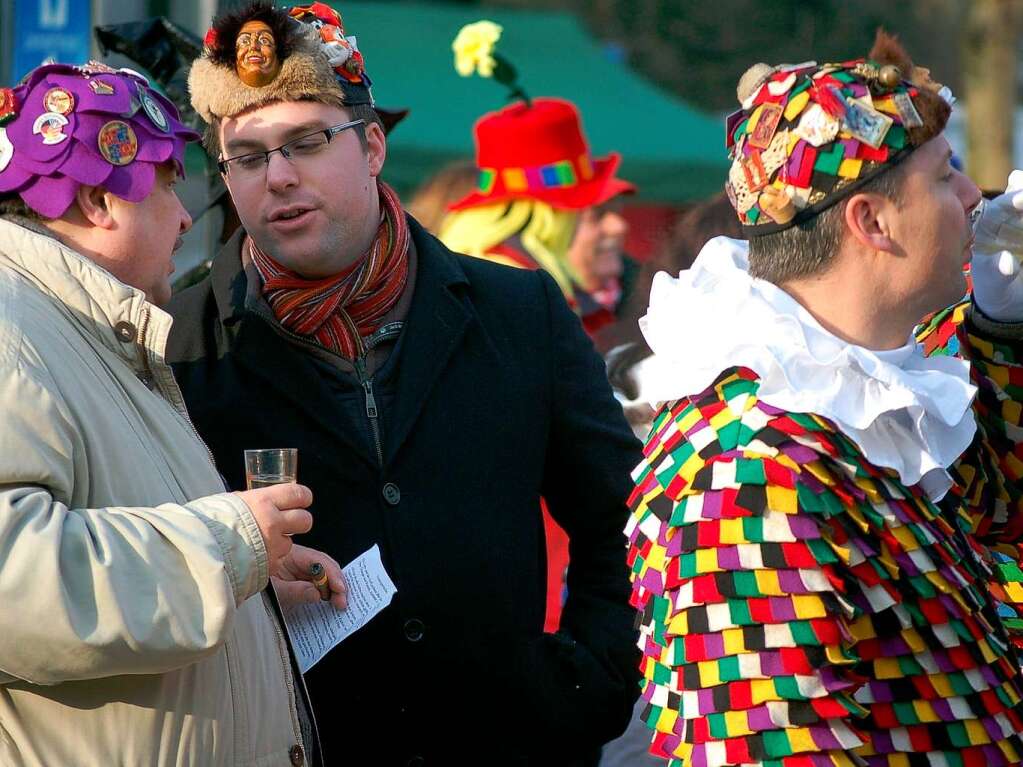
809	247
364	112
11	204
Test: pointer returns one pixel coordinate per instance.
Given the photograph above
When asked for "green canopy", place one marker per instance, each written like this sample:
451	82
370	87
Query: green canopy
671	151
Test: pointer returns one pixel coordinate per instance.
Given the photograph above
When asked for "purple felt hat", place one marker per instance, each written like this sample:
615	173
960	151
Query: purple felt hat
65	126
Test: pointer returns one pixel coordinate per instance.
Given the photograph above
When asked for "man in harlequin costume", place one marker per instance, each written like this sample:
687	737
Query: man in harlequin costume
136	625
824	528
433	399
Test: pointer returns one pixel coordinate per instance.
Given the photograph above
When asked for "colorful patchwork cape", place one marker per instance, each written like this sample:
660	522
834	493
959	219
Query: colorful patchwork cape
799	605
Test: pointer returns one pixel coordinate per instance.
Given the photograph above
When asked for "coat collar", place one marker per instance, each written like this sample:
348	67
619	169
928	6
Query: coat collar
117	315
438	316
437	320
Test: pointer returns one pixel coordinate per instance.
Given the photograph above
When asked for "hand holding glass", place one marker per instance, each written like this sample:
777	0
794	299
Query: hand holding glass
272	466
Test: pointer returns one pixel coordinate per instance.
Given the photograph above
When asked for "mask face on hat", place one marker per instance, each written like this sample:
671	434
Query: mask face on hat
262	53
256	62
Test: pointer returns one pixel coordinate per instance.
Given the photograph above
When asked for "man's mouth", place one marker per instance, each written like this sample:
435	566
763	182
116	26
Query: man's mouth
289	214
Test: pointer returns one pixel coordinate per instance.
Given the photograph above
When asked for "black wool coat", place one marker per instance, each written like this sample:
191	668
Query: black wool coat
499	399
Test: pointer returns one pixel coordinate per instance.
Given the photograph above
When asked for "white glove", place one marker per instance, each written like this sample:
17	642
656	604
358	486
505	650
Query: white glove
997	250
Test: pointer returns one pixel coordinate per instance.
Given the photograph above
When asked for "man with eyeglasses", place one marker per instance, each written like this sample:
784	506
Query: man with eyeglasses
433	399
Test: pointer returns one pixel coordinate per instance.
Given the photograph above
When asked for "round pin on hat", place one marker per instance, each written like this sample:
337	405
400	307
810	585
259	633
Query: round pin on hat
153	110
59	100
50	125
6	150
117	142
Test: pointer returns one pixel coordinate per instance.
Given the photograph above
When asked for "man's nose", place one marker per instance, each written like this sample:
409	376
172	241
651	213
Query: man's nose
184	217
970	193
186	221
280	173
614	224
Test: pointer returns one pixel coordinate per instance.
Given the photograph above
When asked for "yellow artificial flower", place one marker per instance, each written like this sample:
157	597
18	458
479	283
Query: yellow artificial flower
473	48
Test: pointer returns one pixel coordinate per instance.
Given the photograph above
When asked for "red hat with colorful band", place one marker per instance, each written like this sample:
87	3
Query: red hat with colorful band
538	152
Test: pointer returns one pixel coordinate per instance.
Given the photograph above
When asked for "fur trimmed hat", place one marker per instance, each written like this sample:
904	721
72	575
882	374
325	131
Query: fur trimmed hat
317	62
809	135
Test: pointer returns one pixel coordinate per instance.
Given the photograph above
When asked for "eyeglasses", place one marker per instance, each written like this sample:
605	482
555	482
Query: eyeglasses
263	39
252	166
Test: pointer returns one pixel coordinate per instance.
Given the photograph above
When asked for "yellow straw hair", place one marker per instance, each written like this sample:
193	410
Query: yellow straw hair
545	234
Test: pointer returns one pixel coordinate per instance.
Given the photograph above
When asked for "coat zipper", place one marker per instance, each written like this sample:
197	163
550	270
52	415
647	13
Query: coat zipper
383	333
372	412
282	650
389	330
147	375
149	379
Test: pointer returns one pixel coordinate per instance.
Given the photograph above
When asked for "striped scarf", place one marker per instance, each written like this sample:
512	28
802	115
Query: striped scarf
337	312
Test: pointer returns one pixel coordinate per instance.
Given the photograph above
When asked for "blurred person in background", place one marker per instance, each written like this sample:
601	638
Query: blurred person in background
429	203
137	627
622	343
541	202
826	527
604	273
434	399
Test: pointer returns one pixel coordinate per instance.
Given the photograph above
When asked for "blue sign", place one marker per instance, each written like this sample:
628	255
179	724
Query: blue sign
49	29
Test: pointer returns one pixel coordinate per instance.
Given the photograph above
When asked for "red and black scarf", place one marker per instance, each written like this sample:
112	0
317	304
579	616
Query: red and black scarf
337	312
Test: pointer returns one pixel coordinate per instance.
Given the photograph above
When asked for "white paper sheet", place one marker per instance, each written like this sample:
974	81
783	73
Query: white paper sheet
318	628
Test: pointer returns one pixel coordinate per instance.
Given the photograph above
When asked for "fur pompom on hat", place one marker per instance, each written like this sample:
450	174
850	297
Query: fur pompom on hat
808	135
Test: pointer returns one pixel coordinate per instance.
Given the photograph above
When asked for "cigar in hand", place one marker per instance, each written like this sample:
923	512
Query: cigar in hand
320	580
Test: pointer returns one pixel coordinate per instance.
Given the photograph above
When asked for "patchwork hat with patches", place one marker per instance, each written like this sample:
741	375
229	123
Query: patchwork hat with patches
808	135
260	54
67	126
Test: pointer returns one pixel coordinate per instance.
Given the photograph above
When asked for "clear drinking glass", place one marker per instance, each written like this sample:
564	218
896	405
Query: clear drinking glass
272	466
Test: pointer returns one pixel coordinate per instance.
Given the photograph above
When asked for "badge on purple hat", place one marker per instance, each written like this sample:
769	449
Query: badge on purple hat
50	125
117	142
153	110
8	105
59	100
6	150
101	88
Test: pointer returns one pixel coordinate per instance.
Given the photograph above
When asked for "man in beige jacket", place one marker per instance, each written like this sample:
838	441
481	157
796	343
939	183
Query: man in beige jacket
135	627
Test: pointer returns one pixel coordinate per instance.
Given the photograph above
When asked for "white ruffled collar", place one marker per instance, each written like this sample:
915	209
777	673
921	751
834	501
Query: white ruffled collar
905	411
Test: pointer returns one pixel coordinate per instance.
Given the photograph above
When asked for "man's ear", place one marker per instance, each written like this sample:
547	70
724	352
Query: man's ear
868	217
376	148
95	204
